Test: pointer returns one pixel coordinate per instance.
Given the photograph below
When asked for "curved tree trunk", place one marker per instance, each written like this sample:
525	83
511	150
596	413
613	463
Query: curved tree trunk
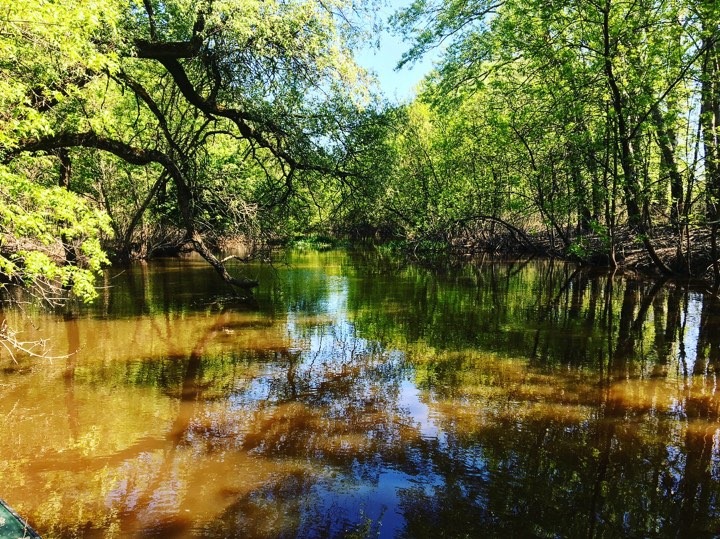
516	232
126	247
139	156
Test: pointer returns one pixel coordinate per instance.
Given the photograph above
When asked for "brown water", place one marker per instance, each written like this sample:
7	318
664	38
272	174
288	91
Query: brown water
362	397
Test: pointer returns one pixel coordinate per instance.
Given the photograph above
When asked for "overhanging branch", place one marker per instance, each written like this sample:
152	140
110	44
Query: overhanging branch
137	156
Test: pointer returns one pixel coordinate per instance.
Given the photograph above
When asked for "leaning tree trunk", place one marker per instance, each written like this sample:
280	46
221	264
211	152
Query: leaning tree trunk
138	156
127	237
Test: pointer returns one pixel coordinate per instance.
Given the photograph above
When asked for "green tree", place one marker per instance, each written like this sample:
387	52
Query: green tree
599	103
181	89
41	223
708	14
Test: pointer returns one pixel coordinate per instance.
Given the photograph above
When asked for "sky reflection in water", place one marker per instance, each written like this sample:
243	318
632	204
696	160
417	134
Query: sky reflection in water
362	397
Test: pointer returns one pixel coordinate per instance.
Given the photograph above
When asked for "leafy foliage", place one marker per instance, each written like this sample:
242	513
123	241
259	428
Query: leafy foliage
185	121
32	218
579	116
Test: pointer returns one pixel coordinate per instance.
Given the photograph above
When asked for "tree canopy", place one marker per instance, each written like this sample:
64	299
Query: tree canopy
192	114
586	129
591	123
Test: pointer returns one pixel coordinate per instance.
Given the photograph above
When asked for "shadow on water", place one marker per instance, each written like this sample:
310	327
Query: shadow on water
361	396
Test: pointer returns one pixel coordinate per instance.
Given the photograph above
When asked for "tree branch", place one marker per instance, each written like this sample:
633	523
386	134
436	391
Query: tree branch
137	156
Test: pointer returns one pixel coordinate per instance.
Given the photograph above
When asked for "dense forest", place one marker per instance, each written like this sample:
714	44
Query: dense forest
584	129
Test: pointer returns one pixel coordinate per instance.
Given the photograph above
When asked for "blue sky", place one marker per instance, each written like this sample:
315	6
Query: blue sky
396	85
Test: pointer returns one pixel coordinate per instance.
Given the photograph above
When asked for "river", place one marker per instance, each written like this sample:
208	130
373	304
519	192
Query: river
359	395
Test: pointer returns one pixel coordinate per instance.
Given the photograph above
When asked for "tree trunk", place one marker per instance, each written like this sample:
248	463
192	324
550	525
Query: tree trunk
139	156
64	182
710	123
627	153
158	186
667	141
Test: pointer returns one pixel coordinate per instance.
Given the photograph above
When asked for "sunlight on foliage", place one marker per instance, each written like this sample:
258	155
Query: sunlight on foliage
33	218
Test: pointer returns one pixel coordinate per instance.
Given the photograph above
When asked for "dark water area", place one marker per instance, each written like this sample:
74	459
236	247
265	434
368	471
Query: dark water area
362	396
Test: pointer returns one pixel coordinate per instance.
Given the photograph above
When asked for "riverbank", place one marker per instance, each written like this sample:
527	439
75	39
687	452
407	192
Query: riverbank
625	251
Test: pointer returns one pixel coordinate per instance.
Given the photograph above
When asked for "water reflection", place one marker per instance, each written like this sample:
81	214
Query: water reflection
361	396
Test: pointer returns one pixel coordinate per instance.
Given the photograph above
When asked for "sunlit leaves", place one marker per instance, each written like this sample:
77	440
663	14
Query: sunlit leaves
263	94
586	109
47	50
33	218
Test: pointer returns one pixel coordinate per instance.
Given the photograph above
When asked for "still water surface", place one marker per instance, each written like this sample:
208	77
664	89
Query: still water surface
359	396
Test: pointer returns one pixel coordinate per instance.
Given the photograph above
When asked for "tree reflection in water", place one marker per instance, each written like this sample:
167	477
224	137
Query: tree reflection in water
362	396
